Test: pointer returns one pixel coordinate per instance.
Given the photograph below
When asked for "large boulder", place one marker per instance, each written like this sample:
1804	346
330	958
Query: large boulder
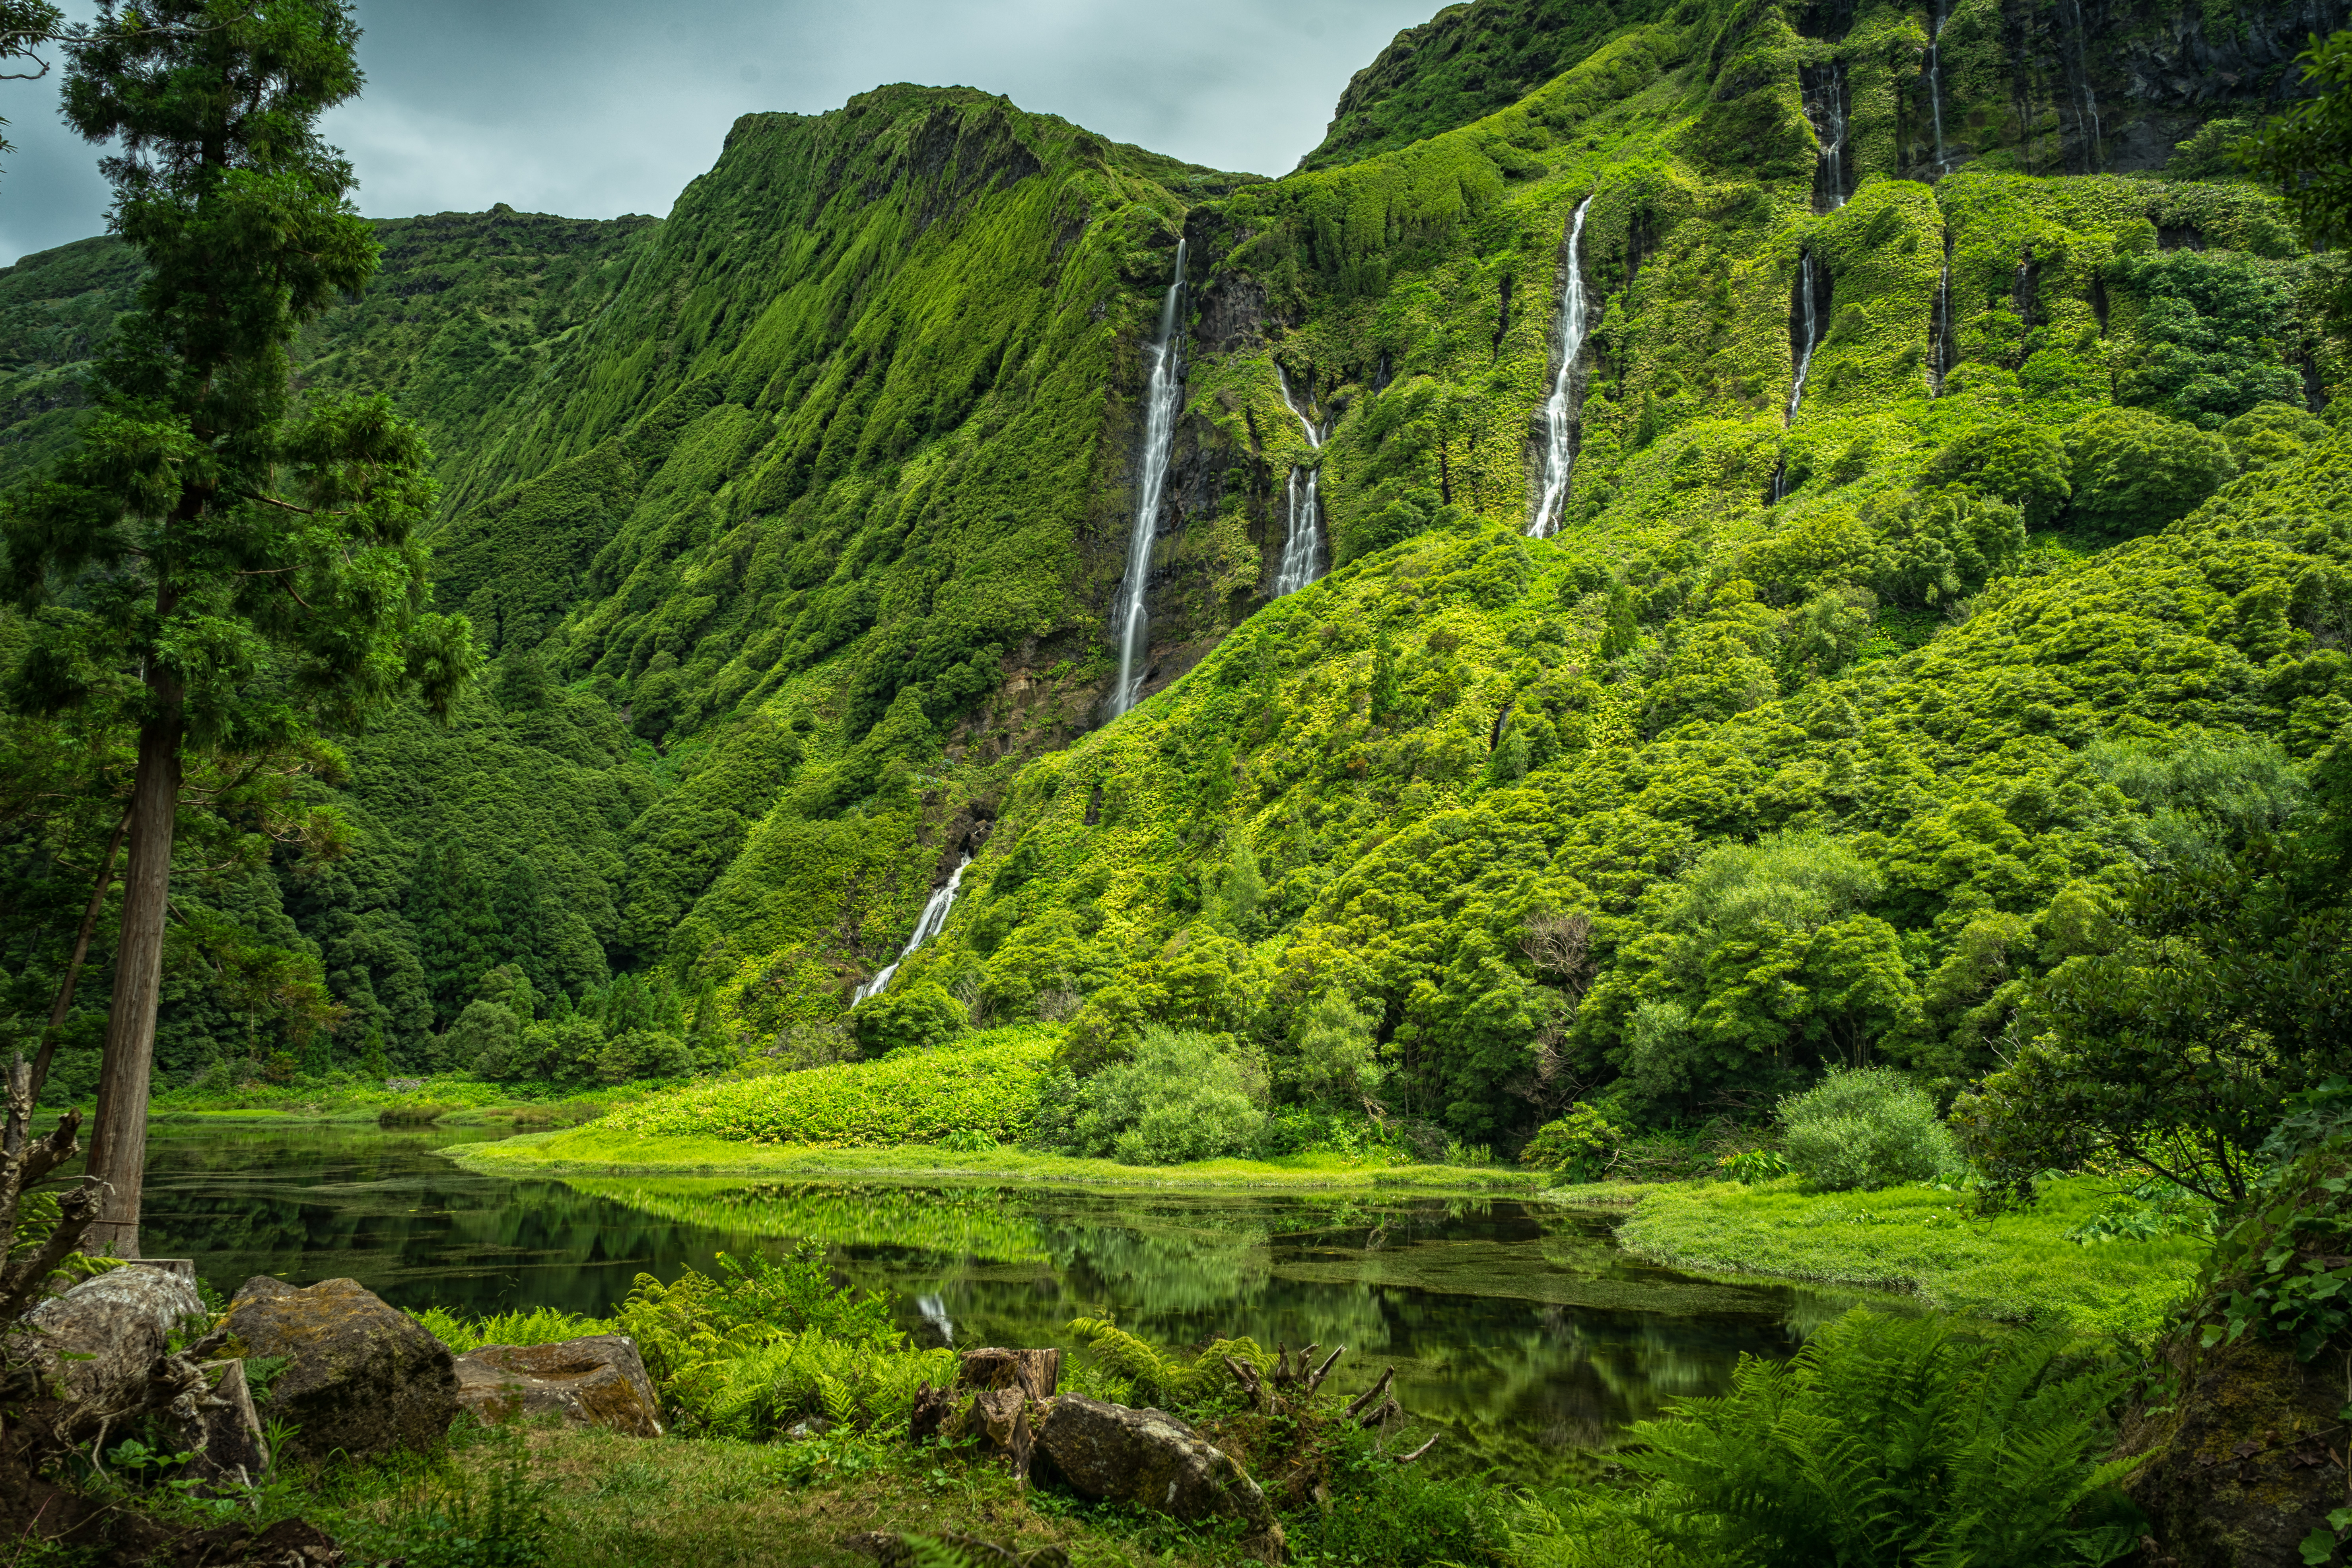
360	1378
1149	1457
598	1380
99	1342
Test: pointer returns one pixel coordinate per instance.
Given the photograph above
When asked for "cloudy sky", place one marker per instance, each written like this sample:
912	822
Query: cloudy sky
594	107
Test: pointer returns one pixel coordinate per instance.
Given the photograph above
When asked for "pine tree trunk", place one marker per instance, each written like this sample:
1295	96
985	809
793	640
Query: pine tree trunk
118	1143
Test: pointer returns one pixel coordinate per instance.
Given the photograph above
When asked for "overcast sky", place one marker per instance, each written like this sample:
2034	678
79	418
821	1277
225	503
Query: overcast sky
594	107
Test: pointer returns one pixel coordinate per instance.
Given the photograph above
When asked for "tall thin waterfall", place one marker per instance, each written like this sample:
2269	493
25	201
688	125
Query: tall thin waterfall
1302	547
1812	333
933	919
1943	325
1935	79
1163	397
2089	108
1833	141
1559	421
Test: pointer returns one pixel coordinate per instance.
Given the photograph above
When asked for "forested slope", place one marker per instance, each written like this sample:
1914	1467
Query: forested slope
1830	713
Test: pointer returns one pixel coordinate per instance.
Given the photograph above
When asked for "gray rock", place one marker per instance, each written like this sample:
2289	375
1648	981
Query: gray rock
121	1320
361	1378
1149	1457
598	1380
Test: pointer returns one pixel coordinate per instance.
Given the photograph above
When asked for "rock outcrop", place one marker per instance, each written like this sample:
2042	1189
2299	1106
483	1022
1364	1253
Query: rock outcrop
362	1378
1149	1457
598	1380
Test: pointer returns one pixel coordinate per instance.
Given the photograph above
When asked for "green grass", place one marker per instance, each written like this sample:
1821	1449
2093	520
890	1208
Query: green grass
2012	1267
602	1149
986	1084
451	1098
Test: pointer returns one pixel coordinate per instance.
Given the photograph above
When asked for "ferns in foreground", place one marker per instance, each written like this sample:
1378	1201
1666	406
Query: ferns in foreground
1886	1442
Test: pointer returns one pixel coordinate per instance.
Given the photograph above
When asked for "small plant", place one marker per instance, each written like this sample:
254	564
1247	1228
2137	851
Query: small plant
1753	1165
968	1140
1865	1129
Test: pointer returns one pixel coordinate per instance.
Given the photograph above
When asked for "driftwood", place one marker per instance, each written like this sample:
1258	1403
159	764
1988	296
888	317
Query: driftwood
1372	1396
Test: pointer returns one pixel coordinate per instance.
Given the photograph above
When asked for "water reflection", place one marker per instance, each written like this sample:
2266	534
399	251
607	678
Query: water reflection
1521	1325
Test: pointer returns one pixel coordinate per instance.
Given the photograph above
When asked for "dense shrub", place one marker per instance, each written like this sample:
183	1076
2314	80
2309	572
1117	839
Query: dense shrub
2134	470
988	1084
1579	1144
917	1014
643	1053
1182	1096
2016	462
1868	1128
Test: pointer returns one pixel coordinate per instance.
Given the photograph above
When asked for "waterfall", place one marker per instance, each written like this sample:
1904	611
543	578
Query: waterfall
1559	426
1943	322
1163	397
1812	333
2090	106
1935	79
1302	547
1833	145
934	917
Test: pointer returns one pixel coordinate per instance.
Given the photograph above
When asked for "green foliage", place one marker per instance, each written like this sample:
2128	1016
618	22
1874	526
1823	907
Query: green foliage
1579	1145
989	1083
2306	150
2134	472
533	1326
2018	1264
1173	1380
1863	1129
643	1053
1181	1096
913	1016
2206	350
1339	1054
2278	1273
1888	1437
2022	464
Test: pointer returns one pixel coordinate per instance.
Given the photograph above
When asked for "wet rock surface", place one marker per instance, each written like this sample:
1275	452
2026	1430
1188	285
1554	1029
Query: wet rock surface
360	1377
598	1380
1149	1457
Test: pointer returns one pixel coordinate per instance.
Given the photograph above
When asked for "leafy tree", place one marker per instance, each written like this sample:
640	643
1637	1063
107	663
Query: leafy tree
2307	150
2272	433
2207	345
1183	1095
2016	462
24	24
2230	992
253	562
2134	470
1338	1054
643	1053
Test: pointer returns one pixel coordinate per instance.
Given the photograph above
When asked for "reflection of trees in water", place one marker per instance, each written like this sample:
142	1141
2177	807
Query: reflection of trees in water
1525	1330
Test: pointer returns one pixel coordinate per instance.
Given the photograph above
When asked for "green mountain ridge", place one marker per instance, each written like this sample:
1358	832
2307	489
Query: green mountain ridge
794	521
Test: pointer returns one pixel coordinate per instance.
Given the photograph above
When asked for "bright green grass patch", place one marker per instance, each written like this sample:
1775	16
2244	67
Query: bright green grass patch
986	1085
601	1149
2013	1267
345	1097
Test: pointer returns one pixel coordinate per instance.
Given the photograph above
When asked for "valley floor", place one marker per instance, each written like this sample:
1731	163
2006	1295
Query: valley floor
594	1150
2021	1267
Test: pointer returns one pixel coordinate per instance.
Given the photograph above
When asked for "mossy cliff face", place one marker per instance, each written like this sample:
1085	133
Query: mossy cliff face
795	520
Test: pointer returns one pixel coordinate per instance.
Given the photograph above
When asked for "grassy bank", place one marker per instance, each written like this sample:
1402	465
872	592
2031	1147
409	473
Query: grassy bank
604	1151
2018	1266
448	1098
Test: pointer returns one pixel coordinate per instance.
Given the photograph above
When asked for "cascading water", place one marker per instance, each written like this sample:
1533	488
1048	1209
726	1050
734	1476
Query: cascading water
2089	108
1302	548
934	919
1163	396
1943	322
1812	333
1834	142
1936	80
1560	424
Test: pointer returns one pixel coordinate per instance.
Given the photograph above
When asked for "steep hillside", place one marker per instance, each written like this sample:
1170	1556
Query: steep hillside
1778	672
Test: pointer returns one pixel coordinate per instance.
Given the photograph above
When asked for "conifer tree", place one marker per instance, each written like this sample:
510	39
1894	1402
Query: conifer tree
224	568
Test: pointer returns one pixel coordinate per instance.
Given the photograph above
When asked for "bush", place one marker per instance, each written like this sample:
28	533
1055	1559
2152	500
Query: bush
988	1084
1865	1129
1580	1144
911	1017
2134	471
1182	1096
2017	463
487	1039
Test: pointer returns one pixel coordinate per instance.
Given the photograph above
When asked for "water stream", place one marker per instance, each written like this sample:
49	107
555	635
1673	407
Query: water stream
1559	411
1833	136
932	921
1935	79
1518	1323
1163	397
1302	546
1812	333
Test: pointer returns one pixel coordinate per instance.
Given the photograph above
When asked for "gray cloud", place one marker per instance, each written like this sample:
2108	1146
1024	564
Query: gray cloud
594	107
